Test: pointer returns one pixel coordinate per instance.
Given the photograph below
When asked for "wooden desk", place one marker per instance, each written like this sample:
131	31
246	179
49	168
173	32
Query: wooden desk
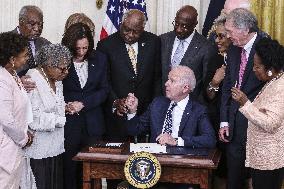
175	168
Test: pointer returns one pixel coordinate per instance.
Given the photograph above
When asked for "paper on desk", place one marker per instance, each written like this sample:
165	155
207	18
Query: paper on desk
147	147
114	144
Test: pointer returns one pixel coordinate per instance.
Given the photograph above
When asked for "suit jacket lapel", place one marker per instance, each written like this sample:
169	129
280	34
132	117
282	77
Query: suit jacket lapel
142	45
186	114
163	111
73	74
249	65
191	51
91	68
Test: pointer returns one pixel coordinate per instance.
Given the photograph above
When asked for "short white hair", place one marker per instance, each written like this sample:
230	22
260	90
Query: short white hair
186	76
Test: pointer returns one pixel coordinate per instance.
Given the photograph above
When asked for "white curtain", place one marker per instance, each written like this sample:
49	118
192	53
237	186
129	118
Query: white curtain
161	13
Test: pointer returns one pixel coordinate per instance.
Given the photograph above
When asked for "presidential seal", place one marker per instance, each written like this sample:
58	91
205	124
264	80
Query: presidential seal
142	170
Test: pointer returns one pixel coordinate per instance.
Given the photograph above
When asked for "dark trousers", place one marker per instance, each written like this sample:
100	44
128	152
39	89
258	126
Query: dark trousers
236	172
264	179
48	172
76	137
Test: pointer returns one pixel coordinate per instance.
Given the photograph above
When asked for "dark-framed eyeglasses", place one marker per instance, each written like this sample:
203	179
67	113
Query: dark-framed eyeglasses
183	26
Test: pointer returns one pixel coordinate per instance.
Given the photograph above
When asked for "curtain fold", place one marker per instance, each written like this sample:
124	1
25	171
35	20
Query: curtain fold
270	15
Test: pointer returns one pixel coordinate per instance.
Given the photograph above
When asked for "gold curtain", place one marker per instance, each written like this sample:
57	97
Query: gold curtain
270	15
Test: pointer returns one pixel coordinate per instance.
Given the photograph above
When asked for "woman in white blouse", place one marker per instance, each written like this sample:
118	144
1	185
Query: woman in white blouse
48	115
85	90
15	110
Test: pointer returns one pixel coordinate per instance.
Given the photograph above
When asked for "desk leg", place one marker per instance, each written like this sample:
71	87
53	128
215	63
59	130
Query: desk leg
97	183
210	179
86	175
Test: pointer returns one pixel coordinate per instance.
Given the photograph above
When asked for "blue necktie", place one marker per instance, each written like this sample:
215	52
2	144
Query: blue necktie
169	119
178	54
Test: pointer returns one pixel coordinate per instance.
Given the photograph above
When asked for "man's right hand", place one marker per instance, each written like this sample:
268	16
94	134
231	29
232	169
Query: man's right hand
120	106
29	85
224	133
131	103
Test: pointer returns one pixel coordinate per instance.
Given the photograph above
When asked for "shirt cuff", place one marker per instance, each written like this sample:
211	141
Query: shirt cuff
224	124
130	116
180	141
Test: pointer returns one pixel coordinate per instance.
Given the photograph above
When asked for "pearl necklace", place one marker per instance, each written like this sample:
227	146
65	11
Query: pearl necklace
46	79
269	83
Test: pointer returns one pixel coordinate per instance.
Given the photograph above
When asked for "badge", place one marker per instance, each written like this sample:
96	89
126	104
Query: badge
142	170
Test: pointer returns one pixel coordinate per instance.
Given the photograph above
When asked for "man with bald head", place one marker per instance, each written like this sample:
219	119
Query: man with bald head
133	57
30	26
233	4
185	46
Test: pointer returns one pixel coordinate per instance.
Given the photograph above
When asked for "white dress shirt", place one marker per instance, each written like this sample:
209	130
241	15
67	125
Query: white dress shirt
176	117
186	43
82	72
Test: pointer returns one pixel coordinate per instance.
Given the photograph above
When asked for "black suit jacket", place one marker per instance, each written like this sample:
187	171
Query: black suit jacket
93	95
122	78
250	86
197	56
39	42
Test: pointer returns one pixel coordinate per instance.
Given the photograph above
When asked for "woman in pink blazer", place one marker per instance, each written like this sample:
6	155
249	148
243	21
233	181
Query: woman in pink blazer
15	110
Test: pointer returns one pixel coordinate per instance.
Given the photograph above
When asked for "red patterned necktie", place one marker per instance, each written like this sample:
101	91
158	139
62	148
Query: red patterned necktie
242	67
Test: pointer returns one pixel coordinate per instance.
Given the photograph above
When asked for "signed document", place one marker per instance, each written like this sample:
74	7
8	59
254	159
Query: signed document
148	147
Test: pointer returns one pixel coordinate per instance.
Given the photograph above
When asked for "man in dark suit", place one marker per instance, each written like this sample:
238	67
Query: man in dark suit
241	27
185	46
133	57
176	119
30	26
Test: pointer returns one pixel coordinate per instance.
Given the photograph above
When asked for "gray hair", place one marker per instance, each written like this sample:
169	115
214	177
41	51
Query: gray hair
52	55
25	9
243	19
186	76
220	20
130	12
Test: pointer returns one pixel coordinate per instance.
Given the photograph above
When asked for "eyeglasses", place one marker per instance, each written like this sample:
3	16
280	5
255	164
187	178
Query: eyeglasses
183	26
63	69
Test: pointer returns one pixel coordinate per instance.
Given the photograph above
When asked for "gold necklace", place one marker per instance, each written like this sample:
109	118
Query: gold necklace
17	79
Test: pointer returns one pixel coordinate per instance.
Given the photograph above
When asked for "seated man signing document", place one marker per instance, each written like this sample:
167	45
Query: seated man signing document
176	119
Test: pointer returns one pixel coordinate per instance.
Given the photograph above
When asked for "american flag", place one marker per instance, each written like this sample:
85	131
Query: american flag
114	12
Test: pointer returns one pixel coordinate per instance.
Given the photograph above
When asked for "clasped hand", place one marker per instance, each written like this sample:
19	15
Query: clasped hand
74	107
126	105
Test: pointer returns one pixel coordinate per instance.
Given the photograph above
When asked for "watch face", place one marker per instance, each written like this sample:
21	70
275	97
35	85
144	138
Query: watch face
142	170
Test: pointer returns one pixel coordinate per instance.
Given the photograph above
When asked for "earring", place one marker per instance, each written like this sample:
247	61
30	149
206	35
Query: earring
269	73
13	65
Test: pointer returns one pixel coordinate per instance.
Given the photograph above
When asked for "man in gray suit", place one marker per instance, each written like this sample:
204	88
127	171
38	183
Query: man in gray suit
185	46
30	26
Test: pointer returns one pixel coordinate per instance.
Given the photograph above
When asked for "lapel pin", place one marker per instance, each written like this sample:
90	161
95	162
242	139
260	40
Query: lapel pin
187	113
143	44
196	47
93	65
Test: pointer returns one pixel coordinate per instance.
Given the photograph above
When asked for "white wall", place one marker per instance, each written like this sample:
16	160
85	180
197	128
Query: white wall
161	13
